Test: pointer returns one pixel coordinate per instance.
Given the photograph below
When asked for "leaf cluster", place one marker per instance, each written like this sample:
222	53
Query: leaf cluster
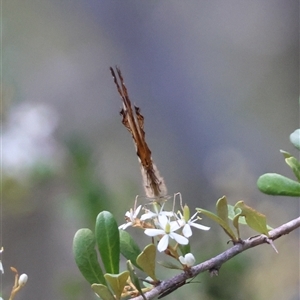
240	213
279	185
110	243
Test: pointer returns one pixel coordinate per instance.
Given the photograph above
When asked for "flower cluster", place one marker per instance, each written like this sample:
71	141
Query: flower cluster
167	227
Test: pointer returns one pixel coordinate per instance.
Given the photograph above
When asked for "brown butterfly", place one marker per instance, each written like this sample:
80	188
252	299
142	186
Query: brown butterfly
134	122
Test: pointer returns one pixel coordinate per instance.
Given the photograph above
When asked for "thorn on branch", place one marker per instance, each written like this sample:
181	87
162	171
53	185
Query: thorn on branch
271	242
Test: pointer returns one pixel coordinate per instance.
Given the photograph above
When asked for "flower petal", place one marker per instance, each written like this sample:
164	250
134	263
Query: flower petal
182	260
163	243
187	231
174	225
199	226
125	225
163	221
154	232
179	238
137	211
148	215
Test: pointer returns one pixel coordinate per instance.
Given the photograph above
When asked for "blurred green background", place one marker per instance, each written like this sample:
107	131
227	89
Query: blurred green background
217	83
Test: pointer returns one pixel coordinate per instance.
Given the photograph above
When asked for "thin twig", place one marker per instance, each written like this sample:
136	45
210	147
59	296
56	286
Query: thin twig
216	262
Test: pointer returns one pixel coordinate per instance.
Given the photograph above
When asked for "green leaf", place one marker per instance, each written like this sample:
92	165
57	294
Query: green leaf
295	138
129	248
222	209
170	265
256	220
184	249
232	214
221	222
86	256
117	282
285	154
276	184
236	222
294	164
108	241
146	260
103	291
240	219
134	279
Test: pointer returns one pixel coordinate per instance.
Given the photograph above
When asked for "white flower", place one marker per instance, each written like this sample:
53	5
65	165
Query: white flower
23	279
188	260
130	216
166	231
152	215
186	223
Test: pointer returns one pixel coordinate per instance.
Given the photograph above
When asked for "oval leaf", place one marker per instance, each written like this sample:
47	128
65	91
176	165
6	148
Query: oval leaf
108	241
222	209
146	260
86	256
278	185
235	222
103	292
221	222
254	219
129	248
117	282
240	219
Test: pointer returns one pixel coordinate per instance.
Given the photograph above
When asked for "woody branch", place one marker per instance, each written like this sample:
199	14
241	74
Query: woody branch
214	264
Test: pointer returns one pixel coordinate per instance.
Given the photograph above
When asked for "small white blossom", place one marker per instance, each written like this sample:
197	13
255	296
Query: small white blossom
130	216
188	260
187	222
166	231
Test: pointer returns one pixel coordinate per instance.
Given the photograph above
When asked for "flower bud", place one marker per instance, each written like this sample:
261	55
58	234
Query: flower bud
23	279
186	213
188	259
